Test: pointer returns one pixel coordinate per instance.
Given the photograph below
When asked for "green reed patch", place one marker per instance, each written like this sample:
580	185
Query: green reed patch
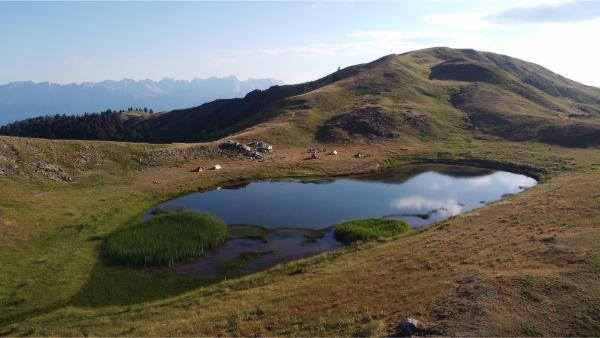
369	229
166	239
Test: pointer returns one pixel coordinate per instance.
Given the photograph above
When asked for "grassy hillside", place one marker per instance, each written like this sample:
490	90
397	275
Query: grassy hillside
425	94
55	281
434	94
525	265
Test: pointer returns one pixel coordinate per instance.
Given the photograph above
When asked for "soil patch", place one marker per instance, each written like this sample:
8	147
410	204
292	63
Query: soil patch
369	123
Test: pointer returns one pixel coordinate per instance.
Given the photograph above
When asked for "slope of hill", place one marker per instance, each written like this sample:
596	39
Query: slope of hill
20	100
426	94
526	265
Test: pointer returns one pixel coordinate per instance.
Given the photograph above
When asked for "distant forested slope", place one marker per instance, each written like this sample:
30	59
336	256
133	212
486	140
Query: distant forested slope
107	125
22	100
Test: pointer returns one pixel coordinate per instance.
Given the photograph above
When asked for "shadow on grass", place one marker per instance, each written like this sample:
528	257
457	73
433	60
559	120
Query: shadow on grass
116	284
123	285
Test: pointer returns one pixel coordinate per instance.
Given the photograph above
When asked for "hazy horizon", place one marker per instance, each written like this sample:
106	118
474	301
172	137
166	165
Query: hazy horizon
21	100
143	79
96	41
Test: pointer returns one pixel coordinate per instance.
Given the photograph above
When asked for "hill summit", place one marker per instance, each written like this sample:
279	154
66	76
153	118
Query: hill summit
433	94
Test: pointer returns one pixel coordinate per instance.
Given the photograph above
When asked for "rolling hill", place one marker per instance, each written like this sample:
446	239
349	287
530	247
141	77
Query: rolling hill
422	95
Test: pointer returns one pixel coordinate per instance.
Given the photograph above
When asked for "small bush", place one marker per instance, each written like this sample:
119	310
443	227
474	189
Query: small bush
369	229
166	239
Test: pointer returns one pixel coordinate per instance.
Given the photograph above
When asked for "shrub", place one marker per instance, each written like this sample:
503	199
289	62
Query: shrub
166	239
369	229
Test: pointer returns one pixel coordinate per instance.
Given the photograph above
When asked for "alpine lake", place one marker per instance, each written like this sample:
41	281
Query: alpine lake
276	221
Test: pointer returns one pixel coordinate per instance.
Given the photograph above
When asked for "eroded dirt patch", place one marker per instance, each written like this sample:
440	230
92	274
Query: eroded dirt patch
464	70
368	123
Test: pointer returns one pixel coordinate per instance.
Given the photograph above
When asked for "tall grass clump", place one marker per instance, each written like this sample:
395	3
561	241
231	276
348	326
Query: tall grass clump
166	239
369	229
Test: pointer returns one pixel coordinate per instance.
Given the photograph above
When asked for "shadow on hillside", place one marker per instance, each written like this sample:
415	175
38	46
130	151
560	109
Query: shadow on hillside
122	285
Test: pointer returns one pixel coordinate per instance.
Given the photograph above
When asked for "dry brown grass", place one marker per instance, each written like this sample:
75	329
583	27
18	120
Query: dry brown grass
522	266
517	267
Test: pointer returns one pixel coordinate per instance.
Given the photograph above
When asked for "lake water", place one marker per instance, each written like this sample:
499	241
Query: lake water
299	213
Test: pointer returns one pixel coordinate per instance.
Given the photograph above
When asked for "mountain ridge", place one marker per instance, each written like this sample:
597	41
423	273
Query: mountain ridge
425	95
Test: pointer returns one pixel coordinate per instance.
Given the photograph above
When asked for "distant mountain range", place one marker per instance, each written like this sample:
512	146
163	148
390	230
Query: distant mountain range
429	95
21	100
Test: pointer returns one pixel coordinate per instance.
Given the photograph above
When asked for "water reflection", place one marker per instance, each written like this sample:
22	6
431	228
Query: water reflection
444	208
418	194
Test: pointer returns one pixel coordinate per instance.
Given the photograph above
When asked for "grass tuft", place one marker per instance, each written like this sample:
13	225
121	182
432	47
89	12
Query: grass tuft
369	229
166	239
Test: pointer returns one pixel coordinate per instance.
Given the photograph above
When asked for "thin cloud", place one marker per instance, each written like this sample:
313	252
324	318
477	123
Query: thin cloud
464	20
553	12
367	42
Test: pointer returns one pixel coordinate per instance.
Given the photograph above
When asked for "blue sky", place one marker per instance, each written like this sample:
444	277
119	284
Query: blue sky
292	41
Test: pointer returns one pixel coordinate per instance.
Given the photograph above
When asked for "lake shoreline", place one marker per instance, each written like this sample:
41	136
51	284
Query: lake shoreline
279	247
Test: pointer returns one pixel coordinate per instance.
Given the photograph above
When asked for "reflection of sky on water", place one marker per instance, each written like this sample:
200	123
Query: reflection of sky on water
444	208
291	203
449	196
421	196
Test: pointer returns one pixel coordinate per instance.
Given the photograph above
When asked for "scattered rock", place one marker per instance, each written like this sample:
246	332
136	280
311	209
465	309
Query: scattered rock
156	182
409	327
314	151
216	167
52	171
88	157
360	155
262	146
246	150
